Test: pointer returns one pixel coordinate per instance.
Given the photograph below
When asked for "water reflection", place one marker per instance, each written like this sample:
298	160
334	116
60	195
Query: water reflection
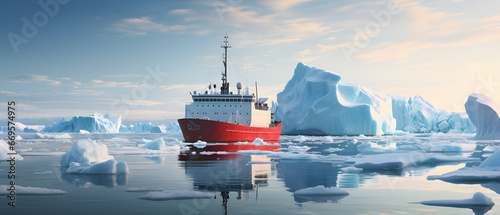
109	181
227	173
299	175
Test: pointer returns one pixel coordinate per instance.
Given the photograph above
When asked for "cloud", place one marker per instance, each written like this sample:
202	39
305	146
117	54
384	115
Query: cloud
279	5
143	25
179	12
101	83
183	86
325	48
35	78
360	4
430	28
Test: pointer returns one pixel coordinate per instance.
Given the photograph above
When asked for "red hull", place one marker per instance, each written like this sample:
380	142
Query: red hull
215	131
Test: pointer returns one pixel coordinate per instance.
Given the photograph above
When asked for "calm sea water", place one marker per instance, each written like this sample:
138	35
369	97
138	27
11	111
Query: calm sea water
254	184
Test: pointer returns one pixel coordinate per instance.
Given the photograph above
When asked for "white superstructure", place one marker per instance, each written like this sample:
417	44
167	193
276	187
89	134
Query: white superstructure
242	109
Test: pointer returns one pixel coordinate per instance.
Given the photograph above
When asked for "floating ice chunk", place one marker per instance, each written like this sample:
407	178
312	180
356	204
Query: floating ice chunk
86	152
313	102
104	168
321	190
484	112
297	149
488	170
18	137
200	144
96	123
158	144
84	132
374	148
447	147
479	199
5	150
43	173
332	150
20	190
402	160
491	148
52	136
175	194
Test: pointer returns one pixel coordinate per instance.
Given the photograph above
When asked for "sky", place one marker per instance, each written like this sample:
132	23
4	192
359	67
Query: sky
62	58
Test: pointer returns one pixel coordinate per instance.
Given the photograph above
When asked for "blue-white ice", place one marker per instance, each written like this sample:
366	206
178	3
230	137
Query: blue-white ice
314	102
91	157
489	170
485	114
96	123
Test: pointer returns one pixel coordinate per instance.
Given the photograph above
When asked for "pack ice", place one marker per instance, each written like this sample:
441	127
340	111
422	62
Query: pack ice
484	112
315	103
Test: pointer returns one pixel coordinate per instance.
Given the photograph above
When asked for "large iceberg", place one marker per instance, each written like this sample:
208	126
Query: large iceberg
313	102
484	112
96	123
418	115
5	150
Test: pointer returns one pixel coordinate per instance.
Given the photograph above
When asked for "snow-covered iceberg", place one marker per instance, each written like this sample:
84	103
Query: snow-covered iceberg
484	112
313	102
96	123
90	157
86	152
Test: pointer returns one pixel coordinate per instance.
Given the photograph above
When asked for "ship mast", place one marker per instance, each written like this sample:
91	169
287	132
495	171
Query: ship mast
225	86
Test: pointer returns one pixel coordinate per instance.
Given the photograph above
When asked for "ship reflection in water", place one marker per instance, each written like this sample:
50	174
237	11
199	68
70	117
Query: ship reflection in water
212	170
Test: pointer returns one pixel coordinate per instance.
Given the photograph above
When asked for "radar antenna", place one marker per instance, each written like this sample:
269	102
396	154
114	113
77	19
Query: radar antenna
224	89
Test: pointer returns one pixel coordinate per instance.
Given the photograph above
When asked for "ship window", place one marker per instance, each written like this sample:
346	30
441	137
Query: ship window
231	100
225	105
213	105
219	105
197	105
230	106
203	105
211	100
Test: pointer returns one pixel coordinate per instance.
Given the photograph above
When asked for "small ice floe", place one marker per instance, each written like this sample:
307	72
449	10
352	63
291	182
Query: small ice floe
90	157
402	160
43	173
18	137
448	147
5	150
375	148
424	135
321	190
38	191
478	200
332	150
84	132
297	149
52	136
200	144
175	195
489	170
490	148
